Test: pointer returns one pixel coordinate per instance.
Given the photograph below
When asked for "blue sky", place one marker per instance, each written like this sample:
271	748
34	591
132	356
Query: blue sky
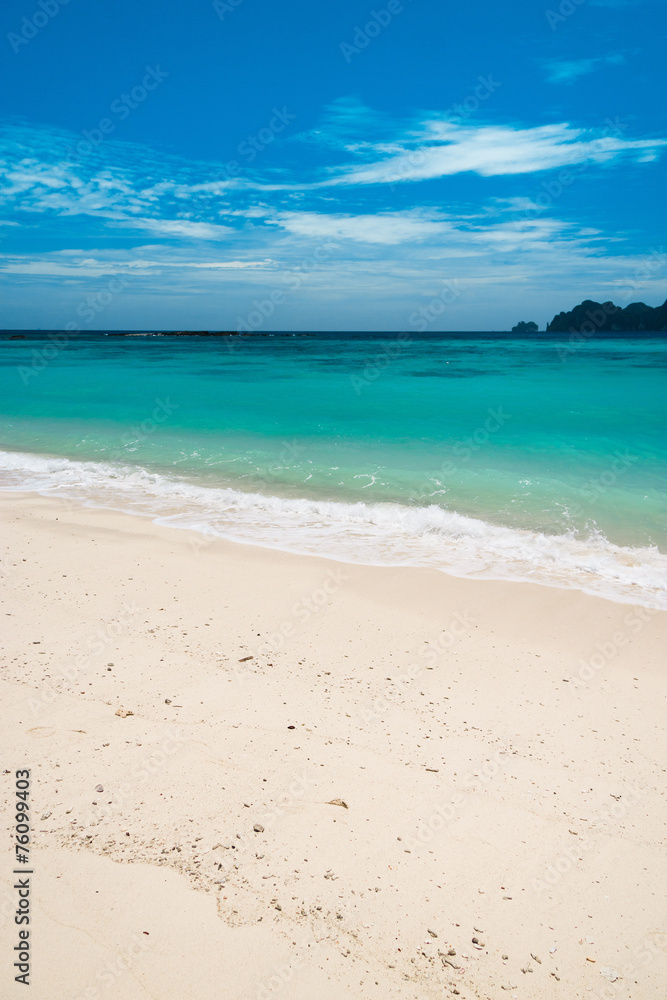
399	166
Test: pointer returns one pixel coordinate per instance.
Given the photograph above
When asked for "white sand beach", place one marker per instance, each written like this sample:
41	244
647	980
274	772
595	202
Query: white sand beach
260	775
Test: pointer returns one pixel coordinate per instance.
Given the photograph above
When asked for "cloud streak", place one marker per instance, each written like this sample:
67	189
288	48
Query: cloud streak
569	70
443	149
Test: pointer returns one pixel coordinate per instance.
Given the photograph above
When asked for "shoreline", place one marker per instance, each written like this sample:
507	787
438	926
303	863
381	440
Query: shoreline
489	783
386	534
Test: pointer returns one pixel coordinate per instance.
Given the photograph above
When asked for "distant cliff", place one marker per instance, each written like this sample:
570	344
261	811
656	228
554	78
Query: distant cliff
597	317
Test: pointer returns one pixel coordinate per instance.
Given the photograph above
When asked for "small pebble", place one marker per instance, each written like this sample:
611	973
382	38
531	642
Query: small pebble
98	788
258	828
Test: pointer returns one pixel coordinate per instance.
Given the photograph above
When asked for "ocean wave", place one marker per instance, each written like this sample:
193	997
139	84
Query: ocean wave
367	533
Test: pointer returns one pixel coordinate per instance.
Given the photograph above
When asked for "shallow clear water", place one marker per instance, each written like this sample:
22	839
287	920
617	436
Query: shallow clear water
479	455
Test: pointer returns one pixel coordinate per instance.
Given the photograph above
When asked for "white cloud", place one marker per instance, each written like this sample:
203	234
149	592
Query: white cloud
78	264
443	149
177	227
387	228
50	267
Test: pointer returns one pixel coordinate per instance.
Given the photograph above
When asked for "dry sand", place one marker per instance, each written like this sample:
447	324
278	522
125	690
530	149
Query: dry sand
499	749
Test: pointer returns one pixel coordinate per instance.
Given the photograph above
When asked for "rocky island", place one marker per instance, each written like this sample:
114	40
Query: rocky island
606	317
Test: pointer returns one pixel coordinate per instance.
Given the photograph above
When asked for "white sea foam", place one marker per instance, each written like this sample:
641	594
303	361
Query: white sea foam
373	534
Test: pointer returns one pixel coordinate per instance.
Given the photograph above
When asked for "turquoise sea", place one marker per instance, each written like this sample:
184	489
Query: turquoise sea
478	454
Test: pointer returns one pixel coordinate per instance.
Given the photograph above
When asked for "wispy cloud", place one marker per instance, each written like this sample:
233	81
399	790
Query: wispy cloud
177	227
569	70
388	228
443	149
135	187
210	235
78	265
